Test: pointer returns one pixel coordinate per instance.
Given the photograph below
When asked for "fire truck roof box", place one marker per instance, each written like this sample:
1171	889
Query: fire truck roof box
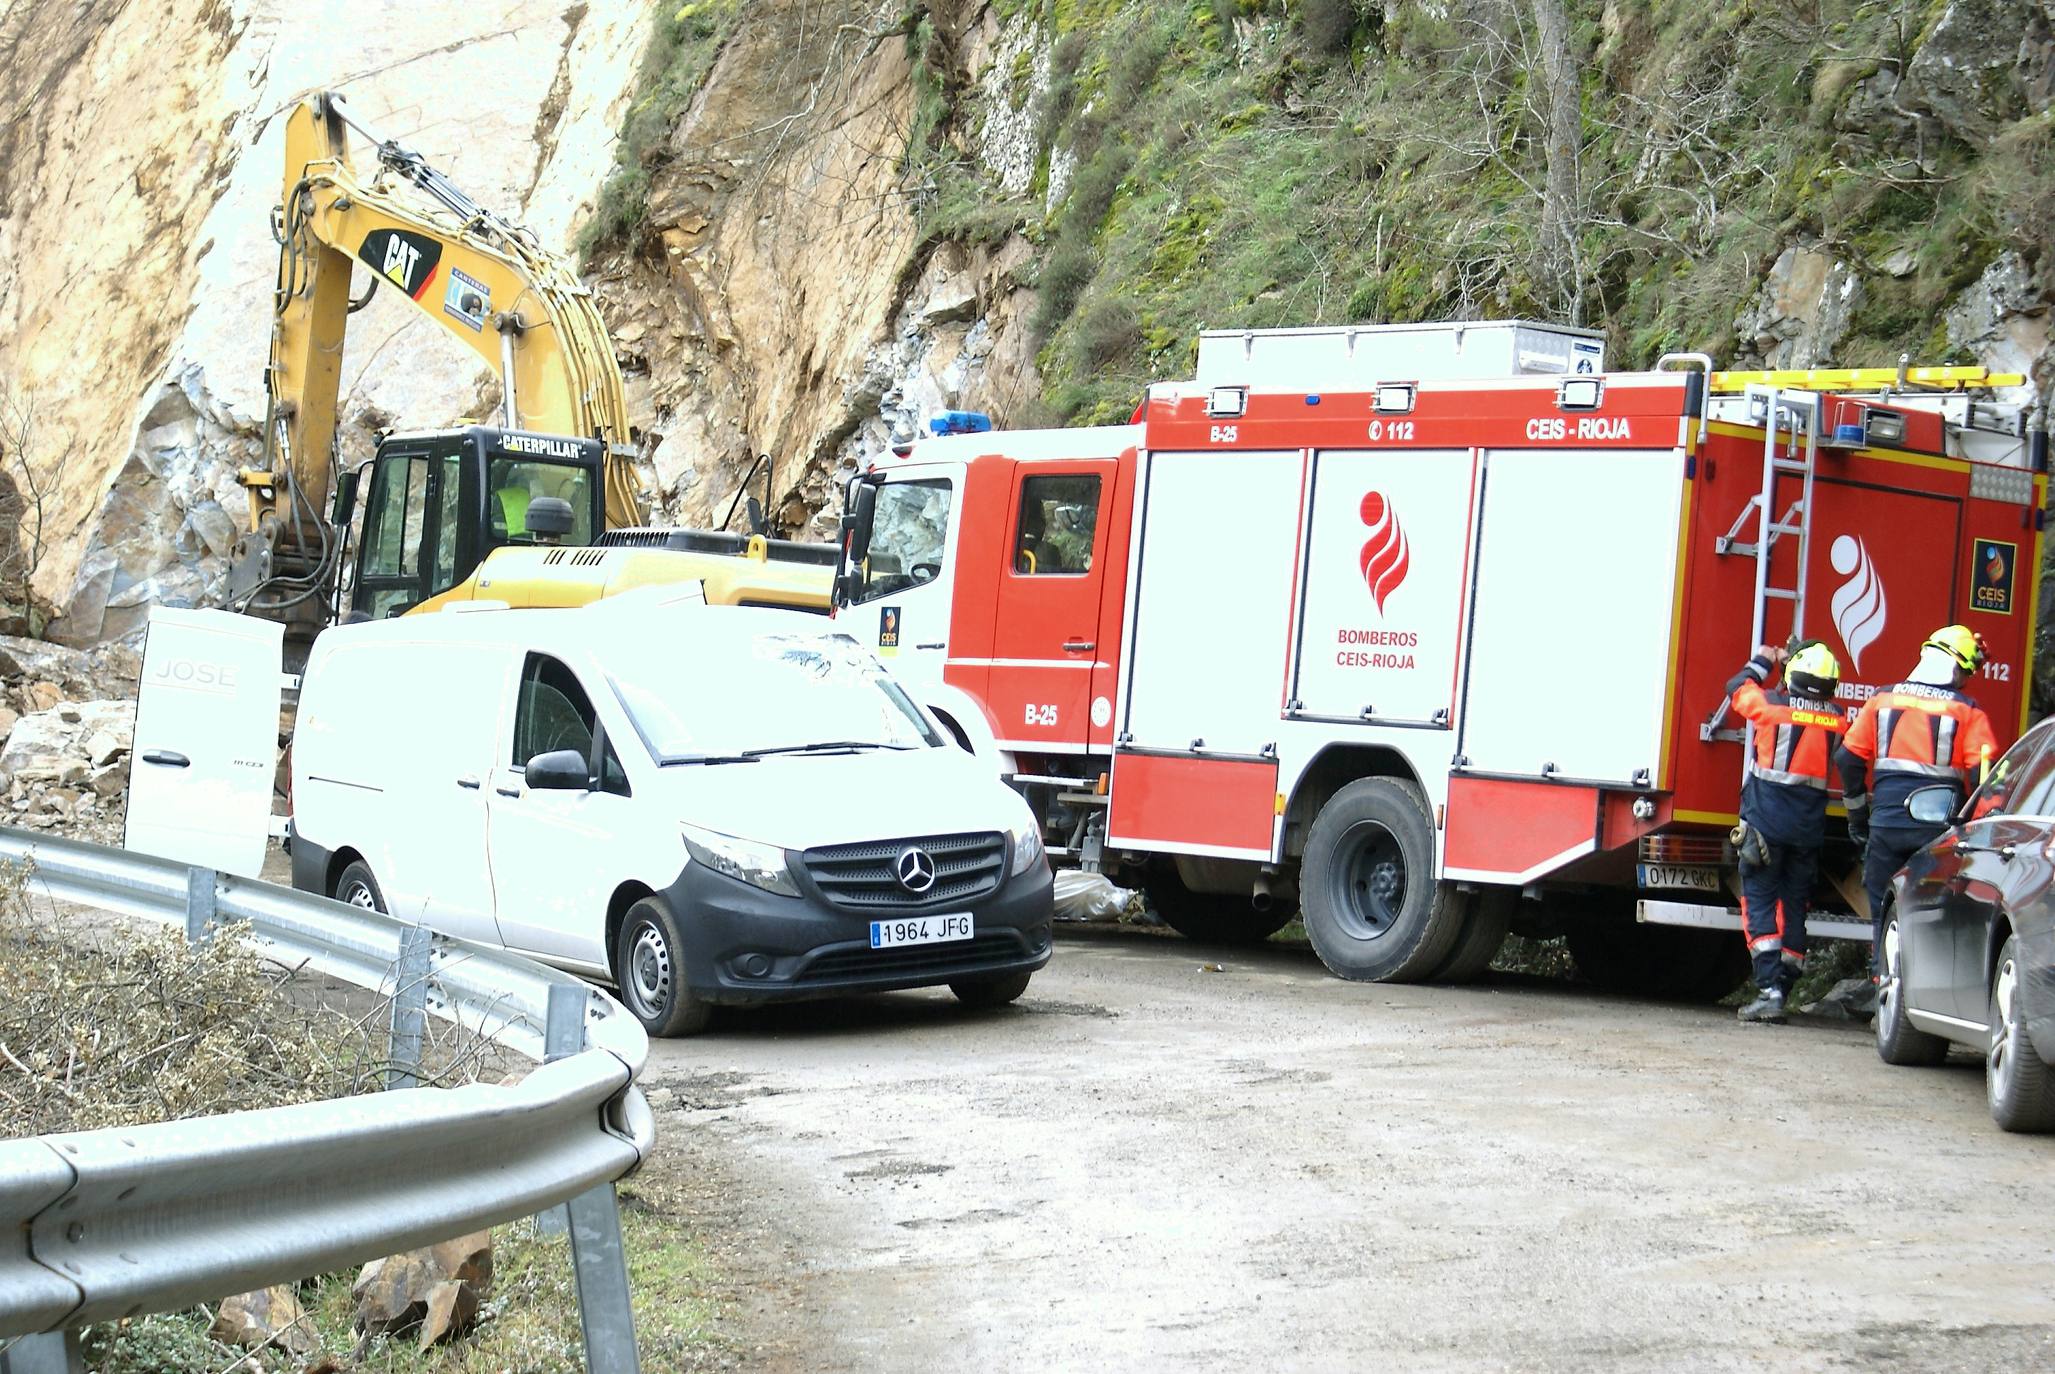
1356	357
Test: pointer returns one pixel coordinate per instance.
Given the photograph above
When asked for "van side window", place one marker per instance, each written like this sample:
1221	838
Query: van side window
1058	518
612	777
553	712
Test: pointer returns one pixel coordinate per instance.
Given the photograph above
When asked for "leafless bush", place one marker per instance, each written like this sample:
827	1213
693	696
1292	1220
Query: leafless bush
24	489
114	1028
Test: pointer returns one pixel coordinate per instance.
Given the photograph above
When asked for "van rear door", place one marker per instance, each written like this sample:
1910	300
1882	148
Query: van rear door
206	741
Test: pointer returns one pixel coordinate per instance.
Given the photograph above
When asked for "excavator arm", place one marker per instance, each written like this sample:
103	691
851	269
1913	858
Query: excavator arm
485	280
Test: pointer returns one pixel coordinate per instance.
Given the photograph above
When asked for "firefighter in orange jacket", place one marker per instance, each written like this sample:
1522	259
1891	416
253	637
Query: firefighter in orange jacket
1783	810
1921	732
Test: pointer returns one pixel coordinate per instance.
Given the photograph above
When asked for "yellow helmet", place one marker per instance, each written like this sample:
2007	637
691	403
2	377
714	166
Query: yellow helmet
1813	671
1960	643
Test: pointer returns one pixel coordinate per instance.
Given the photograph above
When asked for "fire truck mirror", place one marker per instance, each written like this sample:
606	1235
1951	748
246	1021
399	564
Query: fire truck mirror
863	508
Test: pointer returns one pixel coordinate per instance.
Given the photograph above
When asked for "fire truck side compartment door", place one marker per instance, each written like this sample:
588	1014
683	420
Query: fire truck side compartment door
1210	626
1387	547
1570	635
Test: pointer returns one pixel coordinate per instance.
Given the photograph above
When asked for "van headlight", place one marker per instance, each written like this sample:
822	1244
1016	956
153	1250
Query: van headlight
759	865
1027	847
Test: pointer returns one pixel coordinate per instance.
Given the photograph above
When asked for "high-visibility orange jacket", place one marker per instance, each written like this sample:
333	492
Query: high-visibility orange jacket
1910	737
1785	794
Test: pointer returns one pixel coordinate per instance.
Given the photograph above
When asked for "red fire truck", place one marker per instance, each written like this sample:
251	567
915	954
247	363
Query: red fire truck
1397	626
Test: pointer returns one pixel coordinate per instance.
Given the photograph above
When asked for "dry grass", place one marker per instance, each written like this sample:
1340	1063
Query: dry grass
101	1028
108	1027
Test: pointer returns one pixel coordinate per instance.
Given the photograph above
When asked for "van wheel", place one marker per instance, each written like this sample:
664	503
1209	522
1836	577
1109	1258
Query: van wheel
1490	916
990	992
356	887
1372	907
1214	918
1900	1042
649	968
2021	1086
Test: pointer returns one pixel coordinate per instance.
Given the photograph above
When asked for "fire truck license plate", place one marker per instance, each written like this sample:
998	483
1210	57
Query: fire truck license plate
1677	875
920	930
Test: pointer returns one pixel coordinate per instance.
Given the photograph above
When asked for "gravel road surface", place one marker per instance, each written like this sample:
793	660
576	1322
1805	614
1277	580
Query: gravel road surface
1148	1165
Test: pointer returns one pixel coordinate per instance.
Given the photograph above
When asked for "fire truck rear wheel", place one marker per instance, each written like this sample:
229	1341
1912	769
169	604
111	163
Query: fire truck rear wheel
1214	918
1372	907
1488	918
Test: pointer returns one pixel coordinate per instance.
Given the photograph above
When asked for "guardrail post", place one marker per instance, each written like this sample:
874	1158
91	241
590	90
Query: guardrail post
55	1353
563	1034
409	1008
599	1258
199	904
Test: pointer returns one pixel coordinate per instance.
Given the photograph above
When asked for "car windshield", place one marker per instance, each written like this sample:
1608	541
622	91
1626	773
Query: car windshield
745	695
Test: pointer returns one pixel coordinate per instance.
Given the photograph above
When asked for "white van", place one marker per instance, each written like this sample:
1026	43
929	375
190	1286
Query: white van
702	804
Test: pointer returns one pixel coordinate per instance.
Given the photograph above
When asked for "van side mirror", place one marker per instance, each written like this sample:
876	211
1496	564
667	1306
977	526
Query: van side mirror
560	770
1932	805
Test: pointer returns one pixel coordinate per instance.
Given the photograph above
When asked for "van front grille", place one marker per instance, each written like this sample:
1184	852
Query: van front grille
864	877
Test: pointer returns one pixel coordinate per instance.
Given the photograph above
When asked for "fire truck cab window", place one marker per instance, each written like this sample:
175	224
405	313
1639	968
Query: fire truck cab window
1058	518
909	530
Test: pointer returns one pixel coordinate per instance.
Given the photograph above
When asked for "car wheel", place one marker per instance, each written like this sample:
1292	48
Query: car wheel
2020	1084
356	887
649	968
1215	918
1489	917
1898	1040
990	992
1373	909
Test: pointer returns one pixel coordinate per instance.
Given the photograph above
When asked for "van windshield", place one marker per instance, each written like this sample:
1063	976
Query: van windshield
746	695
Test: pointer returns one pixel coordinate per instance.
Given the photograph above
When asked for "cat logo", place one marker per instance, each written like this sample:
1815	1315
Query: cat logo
400	257
406	260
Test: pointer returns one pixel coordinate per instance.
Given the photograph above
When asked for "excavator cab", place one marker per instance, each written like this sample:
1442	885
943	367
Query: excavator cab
436	504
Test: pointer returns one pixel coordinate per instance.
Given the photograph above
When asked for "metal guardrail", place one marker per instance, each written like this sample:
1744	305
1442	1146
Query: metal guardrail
97	1225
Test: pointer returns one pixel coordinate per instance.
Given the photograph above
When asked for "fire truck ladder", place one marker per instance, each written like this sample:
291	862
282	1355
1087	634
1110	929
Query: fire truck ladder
1790	450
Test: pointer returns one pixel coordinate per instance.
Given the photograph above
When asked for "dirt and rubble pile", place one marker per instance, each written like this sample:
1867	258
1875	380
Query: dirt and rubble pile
67	727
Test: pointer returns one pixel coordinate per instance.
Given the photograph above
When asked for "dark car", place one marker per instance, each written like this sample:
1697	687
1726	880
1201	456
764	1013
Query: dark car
1969	942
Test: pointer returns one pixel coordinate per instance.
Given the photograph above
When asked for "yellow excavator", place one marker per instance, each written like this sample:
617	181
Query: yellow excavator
541	509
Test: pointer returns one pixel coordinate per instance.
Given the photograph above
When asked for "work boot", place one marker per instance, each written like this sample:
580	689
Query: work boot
1768	1006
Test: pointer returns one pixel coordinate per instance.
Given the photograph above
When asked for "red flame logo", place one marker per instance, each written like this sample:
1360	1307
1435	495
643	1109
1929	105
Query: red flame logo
1386	554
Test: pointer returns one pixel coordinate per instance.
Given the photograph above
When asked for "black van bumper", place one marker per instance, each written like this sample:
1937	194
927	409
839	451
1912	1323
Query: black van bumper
745	946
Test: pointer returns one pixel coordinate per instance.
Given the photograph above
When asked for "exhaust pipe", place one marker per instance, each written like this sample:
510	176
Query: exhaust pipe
1260	899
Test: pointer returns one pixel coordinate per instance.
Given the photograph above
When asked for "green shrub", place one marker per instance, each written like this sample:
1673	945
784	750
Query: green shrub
1065	275
1108	330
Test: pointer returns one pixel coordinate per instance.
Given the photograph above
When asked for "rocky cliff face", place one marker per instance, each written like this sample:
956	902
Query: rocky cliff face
781	295
838	215
872	212
136	259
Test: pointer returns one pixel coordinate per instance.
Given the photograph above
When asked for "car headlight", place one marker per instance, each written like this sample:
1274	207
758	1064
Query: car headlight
759	865
1027	847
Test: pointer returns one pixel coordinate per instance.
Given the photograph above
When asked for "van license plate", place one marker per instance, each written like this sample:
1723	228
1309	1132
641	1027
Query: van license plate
1676	875
920	930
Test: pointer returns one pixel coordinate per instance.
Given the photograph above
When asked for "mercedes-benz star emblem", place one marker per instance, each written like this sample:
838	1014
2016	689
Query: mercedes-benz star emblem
916	870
